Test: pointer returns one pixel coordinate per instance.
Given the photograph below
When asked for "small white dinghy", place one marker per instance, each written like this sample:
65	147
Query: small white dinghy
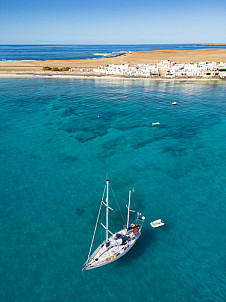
155	124
157	223
174	103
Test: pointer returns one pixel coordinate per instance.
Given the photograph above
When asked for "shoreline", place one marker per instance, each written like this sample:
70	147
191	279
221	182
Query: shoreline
104	77
88	68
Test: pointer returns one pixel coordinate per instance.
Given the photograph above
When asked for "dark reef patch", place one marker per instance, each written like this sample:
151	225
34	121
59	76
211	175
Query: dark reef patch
71	111
126	125
175	150
84	137
142	143
69	157
111	147
85	125
79	211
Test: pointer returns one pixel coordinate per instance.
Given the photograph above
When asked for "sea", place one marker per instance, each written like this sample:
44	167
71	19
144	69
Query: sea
62	138
73	52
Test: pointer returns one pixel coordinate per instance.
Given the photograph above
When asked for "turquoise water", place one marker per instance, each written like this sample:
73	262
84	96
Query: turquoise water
60	139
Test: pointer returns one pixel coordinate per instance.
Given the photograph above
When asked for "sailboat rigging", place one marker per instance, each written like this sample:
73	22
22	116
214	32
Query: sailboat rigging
118	244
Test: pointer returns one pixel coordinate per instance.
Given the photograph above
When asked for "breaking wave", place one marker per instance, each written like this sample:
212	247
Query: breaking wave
110	54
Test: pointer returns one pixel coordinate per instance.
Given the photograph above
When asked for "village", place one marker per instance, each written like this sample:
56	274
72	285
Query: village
167	69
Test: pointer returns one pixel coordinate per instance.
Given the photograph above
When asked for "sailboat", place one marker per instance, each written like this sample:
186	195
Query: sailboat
115	245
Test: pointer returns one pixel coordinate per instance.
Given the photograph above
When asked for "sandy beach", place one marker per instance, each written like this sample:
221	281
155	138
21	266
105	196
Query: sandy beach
35	68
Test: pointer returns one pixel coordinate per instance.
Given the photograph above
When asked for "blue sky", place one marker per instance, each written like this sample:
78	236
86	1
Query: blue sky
112	22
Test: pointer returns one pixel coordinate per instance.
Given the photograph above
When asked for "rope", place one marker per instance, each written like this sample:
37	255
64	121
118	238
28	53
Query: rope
117	205
96	224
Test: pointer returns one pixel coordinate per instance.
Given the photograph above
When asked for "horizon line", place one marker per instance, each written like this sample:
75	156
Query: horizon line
194	43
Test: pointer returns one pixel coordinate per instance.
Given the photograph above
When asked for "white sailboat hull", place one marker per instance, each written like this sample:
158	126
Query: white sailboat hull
108	256
88	268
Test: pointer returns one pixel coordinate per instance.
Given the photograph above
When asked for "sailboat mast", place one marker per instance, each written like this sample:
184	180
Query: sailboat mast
127	225
107	211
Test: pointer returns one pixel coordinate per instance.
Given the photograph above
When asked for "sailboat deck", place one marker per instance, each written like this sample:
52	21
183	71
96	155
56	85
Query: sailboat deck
103	255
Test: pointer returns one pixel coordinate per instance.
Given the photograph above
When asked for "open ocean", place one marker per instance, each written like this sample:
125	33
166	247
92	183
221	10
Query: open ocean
72	52
61	138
